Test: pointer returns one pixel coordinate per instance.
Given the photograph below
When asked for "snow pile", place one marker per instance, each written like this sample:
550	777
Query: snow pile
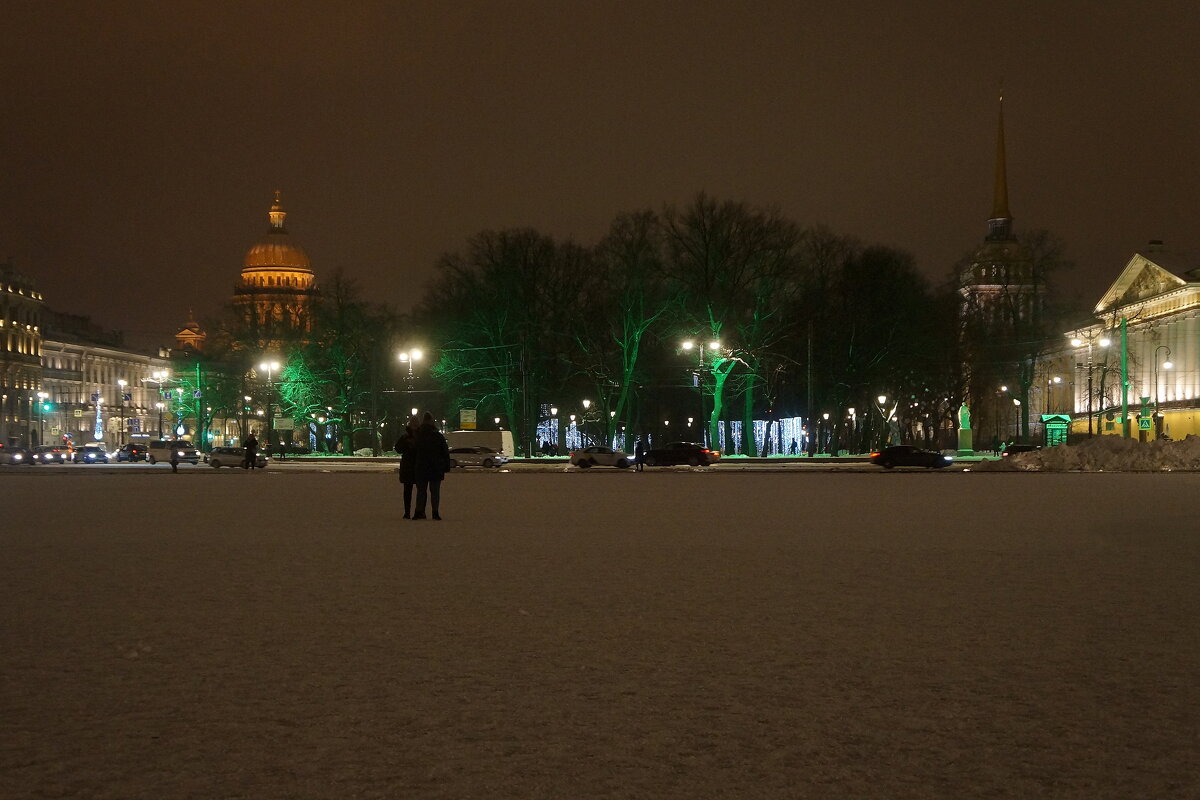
1105	454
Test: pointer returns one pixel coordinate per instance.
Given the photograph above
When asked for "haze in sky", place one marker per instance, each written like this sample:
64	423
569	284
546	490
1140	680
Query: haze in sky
143	142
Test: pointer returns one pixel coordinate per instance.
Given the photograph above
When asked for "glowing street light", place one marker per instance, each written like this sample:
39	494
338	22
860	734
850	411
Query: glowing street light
270	367
1158	421
1089	340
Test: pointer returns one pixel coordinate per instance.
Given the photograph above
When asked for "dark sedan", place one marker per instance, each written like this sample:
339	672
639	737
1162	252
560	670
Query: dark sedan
905	455
690	453
91	454
134	451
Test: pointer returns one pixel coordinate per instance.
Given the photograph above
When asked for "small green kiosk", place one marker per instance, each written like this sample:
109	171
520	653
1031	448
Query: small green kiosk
1057	427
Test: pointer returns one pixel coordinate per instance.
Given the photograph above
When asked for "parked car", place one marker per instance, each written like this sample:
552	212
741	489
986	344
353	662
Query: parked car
234	457
1013	449
600	456
134	451
50	454
906	455
16	456
477	456
160	450
91	454
690	453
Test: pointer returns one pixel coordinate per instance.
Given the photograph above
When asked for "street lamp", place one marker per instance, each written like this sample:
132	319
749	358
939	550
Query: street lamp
408	358
689	345
124	396
270	367
1090	339
1158	424
42	405
1050	384
159	405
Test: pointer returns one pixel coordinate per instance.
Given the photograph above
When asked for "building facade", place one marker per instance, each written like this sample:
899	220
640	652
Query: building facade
21	309
1136	370
95	388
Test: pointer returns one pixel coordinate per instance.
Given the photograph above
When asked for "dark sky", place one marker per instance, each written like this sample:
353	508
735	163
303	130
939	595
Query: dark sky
141	142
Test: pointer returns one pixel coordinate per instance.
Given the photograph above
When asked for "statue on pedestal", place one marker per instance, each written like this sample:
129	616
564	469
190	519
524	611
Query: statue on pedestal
965	438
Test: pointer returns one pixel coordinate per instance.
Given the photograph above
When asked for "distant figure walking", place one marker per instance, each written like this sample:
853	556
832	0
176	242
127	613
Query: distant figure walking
433	460
792	448
251	446
639	455
406	446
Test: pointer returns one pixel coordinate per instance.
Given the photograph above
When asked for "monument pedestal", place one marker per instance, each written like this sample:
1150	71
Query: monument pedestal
966	443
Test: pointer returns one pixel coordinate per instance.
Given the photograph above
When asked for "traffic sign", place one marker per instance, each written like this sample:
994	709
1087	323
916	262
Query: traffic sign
1144	423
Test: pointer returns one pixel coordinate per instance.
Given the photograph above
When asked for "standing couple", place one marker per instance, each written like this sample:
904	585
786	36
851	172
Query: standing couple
424	460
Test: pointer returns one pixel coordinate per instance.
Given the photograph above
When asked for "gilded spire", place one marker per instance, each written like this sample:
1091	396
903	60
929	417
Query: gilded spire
1000	202
277	214
1000	223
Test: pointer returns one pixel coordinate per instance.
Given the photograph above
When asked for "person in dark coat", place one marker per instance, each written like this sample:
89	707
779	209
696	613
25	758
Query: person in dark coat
406	446
432	462
639	455
251	446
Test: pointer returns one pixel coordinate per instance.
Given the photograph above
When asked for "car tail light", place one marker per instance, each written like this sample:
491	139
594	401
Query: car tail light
876	453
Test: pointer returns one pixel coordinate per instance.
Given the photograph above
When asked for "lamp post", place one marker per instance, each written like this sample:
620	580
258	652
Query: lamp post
583	421
881	404
1103	341
122	383
270	367
1158	423
1050	384
712	346
409	357
556	428
159	405
42	398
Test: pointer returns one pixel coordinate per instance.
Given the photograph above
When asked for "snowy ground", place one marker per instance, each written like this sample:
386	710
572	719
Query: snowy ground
602	634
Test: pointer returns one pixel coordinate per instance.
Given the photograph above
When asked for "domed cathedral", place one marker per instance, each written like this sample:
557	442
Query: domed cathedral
1001	316
277	289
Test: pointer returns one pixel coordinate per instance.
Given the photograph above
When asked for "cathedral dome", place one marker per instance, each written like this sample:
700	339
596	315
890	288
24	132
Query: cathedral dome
276	250
273	250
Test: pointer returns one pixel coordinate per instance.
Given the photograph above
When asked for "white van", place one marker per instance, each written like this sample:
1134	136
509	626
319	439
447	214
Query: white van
161	449
500	441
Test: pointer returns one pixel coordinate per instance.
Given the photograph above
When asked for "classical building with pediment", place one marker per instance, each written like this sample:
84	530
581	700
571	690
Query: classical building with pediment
1136	370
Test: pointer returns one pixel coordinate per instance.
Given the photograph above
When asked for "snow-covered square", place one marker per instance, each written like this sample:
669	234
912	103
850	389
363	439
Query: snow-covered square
686	634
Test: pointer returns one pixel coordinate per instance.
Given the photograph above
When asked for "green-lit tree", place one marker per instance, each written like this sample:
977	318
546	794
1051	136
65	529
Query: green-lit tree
735	267
500	313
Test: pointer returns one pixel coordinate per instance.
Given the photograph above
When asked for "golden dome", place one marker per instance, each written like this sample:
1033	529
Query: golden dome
275	250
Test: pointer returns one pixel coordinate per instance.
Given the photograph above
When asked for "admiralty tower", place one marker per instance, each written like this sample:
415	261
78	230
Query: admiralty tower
277	290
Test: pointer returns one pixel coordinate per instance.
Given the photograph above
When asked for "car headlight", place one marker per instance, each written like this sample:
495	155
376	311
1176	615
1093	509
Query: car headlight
17	456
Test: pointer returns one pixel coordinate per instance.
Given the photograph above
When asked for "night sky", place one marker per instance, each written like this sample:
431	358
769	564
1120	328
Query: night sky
142	142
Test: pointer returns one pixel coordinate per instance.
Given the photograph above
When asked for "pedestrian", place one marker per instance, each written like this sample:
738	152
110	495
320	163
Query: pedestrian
174	459
406	446
639	455
432	463
792	448
251	445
